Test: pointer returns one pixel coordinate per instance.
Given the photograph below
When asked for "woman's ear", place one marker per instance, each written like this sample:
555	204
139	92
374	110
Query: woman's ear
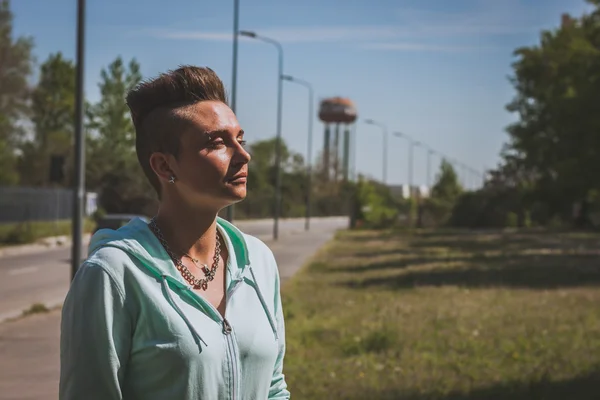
161	164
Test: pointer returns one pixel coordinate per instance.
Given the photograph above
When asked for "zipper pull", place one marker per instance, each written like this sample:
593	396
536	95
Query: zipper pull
226	327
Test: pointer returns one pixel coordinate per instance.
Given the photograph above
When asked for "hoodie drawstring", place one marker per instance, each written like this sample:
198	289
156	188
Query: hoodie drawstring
197	337
264	304
167	290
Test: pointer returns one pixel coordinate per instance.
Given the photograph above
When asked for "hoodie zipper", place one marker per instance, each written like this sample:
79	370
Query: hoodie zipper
227	329
227	332
232	348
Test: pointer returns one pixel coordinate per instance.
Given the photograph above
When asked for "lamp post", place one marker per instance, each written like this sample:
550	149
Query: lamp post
410	159
472	177
309	144
465	172
430	152
79	187
277	206
460	170
353	141
236	19
416	143
484	176
384	131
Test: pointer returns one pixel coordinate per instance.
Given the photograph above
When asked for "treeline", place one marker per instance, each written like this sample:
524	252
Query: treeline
548	175
374	205
37	131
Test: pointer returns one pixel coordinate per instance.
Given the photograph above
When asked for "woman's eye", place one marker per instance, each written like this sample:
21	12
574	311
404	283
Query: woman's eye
216	143
242	142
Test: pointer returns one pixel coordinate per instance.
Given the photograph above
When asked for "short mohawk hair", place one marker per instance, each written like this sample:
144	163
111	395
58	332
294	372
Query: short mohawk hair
155	104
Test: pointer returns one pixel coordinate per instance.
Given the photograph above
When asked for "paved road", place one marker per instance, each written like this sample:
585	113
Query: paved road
43	276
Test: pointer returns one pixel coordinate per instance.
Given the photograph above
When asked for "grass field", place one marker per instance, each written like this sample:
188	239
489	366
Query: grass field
29	232
447	315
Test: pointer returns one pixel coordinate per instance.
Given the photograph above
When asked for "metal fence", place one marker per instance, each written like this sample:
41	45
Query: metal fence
21	204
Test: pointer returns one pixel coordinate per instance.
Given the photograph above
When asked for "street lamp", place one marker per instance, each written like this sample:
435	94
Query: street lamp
460	171
79	187
484	175
307	85
416	143
465	173
236	19
430	152
410	159
475	175
385	147
472	176
277	208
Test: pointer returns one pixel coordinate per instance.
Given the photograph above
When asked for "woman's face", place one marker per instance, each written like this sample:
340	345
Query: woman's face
212	165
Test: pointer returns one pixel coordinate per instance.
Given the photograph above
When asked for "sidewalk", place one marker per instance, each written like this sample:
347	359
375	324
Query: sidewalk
40	245
29	347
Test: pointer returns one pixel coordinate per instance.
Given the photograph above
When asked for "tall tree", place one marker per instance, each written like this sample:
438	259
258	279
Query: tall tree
16	65
113	135
445	192
446	186
112	166
556	139
52	114
261	181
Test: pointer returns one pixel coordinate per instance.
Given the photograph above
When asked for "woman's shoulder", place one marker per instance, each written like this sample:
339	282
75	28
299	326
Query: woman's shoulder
108	256
262	260
257	249
112	260
256	243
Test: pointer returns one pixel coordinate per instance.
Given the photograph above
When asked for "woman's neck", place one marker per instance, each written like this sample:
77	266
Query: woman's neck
193	231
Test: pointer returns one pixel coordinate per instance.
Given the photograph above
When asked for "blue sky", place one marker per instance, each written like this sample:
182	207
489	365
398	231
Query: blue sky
434	69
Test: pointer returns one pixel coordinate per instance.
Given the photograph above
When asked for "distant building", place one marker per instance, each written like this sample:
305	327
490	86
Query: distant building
402	191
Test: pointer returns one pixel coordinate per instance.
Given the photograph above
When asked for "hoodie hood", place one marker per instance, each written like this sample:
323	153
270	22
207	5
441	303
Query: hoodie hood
137	240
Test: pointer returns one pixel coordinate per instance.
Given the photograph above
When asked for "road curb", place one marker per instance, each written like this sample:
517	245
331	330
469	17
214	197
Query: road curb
41	245
61	241
287	238
12	316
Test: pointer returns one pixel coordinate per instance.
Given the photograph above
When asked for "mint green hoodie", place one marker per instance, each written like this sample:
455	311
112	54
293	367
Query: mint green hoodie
132	328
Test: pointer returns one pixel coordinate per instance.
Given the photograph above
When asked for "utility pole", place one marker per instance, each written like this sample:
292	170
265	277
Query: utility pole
79	186
236	21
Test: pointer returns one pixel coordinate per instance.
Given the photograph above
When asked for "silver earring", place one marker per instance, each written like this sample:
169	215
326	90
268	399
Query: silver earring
172	179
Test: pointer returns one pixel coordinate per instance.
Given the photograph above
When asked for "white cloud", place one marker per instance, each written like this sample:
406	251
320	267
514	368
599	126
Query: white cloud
424	47
507	19
187	35
288	35
330	34
484	18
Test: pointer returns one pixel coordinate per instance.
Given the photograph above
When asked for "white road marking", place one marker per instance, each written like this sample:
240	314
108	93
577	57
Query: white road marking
22	271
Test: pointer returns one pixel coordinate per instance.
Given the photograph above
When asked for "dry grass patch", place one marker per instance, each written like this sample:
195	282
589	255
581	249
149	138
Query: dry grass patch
447	315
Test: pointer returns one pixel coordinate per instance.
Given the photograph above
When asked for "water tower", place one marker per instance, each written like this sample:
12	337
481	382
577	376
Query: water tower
337	111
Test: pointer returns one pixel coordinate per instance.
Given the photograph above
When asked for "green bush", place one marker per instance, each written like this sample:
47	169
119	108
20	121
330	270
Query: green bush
467	211
98	214
437	212
29	232
19	234
527	222
512	220
374	205
494	208
556	222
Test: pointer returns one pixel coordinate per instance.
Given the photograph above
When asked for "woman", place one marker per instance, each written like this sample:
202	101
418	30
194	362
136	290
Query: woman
187	306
